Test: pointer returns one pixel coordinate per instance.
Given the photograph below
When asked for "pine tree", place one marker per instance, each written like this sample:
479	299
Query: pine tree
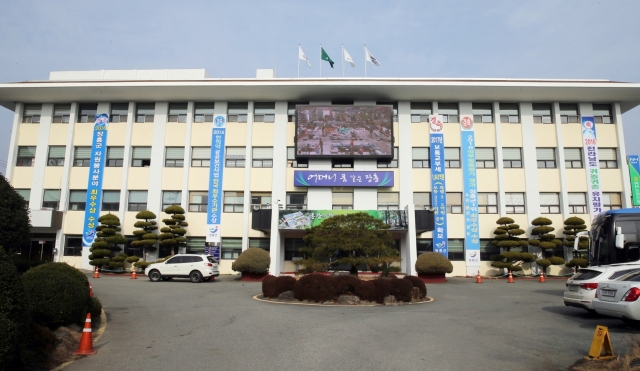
172	236
146	238
107	242
573	225
15	233
506	237
545	241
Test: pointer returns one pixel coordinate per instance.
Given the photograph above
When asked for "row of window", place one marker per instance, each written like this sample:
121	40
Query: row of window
263	157
265	112
233	202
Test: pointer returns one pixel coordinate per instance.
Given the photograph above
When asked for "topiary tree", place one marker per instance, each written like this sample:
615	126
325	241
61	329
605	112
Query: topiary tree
545	241
573	225
146	236
506	234
15	226
512	260
433	263
117	262
172	236
252	260
108	241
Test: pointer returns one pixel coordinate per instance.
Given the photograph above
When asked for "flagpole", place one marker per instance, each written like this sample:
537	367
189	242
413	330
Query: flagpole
342	60
365	60
299	60
320	60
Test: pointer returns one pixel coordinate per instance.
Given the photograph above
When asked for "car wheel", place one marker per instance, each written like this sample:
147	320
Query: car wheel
154	276
166	278
195	276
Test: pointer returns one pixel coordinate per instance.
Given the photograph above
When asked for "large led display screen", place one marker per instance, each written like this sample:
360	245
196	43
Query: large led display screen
344	131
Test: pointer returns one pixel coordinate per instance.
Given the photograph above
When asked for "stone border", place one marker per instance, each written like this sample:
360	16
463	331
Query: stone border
259	297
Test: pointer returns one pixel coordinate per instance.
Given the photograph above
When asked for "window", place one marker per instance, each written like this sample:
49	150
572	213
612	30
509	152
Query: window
177	112
234	202
56	156
509	113
488	249
237	112
342	162
542	113
145	112
454	203
77	200
171	198
198	201
291	110
263	243
87	112
577	203
422	200
137	200
449	112
51	199
174	157
482	113
485	158
549	203
200	156
611	201
423	245
81	156
203	112
291	248
512	157
296	201
455	248
487	203
395	108
141	157
546	158
31	113
115	156
569	113
262	157
26	194
388	200
452	157
261	199
420	157
61	113
119	112
341	200
608	158
514	203
231	248
420	111
602	114
195	245
390	164
73	246
110	200
291	159
235	156
26	156
264	112
573	158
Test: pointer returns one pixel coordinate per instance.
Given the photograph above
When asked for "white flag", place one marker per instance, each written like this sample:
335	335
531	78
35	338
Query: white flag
347	57
302	56
370	57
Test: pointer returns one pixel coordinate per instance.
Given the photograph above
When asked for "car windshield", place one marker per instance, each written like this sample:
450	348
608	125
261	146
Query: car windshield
586	274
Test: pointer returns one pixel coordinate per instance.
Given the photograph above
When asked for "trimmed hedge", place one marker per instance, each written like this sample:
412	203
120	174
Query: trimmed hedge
417	282
95	307
252	260
433	263
314	287
401	289
14	317
345	285
375	290
272	286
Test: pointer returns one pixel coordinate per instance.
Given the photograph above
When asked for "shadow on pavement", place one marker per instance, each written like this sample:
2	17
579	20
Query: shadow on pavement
588	320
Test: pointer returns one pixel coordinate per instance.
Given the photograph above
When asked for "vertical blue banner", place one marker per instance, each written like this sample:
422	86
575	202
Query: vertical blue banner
470	180
438	186
634	178
94	185
592	165
216	171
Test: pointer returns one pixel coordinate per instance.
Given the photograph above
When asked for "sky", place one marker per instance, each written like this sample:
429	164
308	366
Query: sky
555	39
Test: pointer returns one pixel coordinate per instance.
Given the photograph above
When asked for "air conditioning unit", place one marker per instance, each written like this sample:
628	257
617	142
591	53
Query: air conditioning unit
53	162
255	207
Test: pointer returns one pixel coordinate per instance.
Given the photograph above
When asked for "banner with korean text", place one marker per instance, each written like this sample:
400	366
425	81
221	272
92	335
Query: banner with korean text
590	152
216	171
438	186
470	180
634	177
94	185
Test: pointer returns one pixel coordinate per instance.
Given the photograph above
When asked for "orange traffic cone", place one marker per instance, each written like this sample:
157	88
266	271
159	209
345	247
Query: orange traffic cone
133	274
86	342
478	278
542	276
95	273
510	278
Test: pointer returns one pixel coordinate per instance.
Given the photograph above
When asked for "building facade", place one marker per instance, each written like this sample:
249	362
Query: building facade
529	155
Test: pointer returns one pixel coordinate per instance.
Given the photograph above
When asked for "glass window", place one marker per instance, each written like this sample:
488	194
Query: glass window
237	111
549	203
291	248
608	158
171	198
291	110
449	112
342	162
61	113
573	158
602	114
263	243
542	113
451	157
454	203
177	112
546	158
51	199
611	201
77	200
456	249
262	157
512	157
198	201
291	159
422	200
137	200
514	203
174	157
145	112
577	203
31	113
264	112
296	201
569	113
488	249
26	156
56	156
203	112
141	157
119	112
420	157
390	164
26	194
509	113
115	156
487	203
87	112
388	200
231	248
234	202
420	111
482	113
485	158
73	246
81	156
200	156
342	200
195	245
110	200
261	199
235	156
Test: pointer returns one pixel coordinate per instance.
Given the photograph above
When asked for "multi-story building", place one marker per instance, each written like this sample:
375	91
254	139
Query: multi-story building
529	155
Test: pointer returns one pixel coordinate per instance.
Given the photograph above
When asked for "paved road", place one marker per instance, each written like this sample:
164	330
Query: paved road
179	325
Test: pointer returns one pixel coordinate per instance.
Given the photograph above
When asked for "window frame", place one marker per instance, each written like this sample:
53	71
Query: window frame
56	161
452	163
61	113
234	162
608	164
110	206
26	161
422	206
420	111
144	117
114	162
575	208
296	206
198	207
140	162
165	205
291	159
479	115
487	207
85	114
611	205
50	204
233	207
509	118
261	162
173	162
486	164
573	164
390	205
569	115
137	206
77	205
204	161
264	112
550	208
454	208
511	162
339	205
32	118
342	163
203	111
449	118
116	112
540	117
179	113
547	164
421	162
393	164
515	208
72	250
237	112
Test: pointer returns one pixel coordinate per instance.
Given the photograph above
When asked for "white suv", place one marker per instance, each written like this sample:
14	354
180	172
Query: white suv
581	287
196	267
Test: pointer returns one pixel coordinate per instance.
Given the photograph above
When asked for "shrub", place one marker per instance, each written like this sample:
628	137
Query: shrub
272	286
14	318
132	259
95	307
252	260
23	265
141	264
314	287
556	260
543	262
577	262
15	226
417	282
433	263
346	284
401	289
375	290
267	286
56	296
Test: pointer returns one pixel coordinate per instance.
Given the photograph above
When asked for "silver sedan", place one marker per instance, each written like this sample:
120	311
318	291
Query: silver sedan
619	298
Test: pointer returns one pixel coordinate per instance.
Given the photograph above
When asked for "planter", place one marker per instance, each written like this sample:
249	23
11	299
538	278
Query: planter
253	277
432	277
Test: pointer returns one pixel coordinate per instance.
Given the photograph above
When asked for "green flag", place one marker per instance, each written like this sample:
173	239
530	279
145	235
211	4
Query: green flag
325	57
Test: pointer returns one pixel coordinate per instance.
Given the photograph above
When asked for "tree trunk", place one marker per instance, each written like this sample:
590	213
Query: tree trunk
354	270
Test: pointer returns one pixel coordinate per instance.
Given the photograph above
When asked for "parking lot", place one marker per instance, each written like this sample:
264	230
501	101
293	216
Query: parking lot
218	326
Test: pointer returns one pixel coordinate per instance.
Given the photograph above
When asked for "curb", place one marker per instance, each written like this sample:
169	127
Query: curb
259	297
98	334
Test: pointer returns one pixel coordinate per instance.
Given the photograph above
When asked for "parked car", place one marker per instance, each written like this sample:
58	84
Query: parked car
581	287
196	267
619	298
